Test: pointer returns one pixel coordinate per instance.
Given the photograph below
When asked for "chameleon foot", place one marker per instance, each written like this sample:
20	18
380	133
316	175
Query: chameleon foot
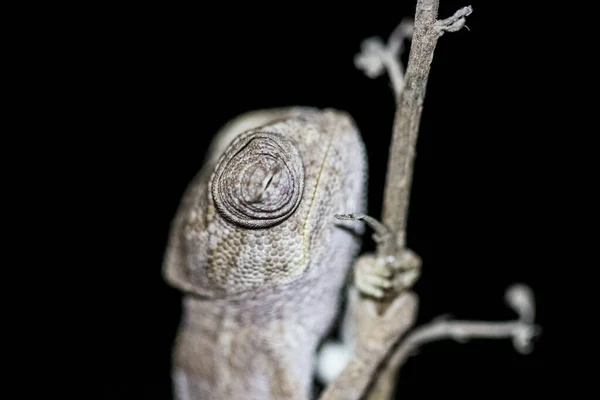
378	276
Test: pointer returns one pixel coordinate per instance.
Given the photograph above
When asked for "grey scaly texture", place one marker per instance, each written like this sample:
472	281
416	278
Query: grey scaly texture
260	256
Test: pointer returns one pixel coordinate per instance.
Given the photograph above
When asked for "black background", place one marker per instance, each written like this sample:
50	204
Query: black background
154	84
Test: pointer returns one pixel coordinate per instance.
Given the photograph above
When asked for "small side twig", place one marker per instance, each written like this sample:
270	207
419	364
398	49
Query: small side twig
376	56
522	331
454	23
382	233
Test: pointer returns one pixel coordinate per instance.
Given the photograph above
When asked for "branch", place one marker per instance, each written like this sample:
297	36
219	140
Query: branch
376	337
410	95
380	335
518	297
427	31
522	331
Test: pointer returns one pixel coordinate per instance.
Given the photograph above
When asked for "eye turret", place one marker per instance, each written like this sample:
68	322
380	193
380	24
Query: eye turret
259	180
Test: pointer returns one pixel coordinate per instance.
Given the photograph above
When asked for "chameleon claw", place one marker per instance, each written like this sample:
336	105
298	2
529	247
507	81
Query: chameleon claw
377	276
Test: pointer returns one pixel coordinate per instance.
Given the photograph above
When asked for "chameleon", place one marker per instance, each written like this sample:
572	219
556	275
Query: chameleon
259	255
263	244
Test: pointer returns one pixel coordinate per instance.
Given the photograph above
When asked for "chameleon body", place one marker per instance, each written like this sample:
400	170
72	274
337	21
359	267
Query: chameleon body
259	255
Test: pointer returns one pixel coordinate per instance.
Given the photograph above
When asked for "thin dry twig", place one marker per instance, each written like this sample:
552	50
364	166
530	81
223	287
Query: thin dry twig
382	233
522	331
376	56
427	31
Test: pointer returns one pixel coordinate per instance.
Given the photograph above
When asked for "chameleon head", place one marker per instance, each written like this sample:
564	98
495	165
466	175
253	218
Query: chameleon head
262	216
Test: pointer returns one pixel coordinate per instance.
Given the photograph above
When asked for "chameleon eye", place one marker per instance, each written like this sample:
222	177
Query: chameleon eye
259	180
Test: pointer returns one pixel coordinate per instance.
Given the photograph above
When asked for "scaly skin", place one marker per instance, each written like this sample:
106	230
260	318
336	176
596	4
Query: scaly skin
259	255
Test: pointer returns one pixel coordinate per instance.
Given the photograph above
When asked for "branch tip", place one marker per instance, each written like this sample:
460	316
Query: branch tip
520	298
454	23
